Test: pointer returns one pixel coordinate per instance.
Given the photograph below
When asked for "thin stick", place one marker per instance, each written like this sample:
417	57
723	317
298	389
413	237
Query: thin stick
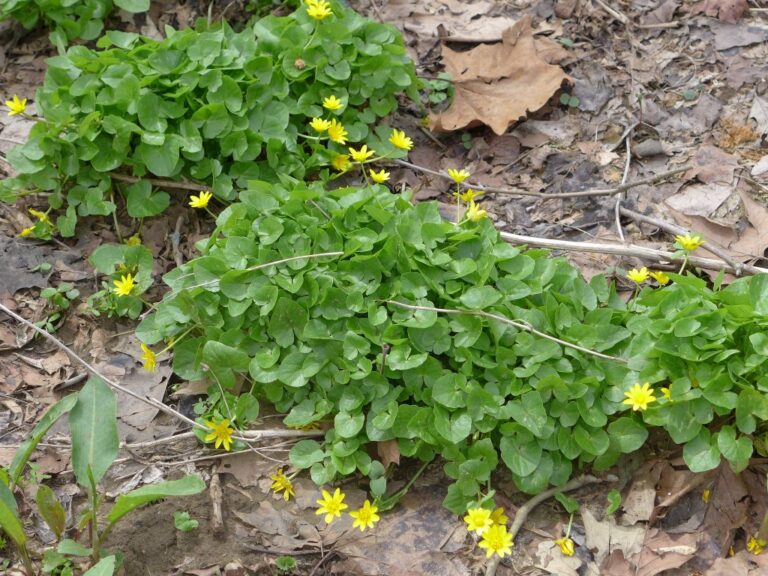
521	192
522	513
623	182
709	246
629	250
216	494
520	324
267	265
613	12
246	437
194	186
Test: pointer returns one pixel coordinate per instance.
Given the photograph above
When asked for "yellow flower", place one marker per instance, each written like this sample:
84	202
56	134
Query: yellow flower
689	243
497	540
365	517
458	176
331	506
340	162
638	276
16	106
337	133
220	432
667	393
318	9
125	285
755	546
566	546
149	358
705	495
200	201
281	483
379	177
320	125
468	195
474	212
400	140
498	517
26	232
361	155
332	103
639	396
42	216
660	277
478	520
134	240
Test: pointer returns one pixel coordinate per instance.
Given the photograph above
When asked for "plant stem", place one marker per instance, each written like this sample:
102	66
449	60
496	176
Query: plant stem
29	568
388	503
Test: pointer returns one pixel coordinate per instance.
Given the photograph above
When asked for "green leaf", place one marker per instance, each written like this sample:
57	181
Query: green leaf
183	522
758	293
20	458
93	427
628	433
133	5
287	321
700	454
141	203
736	451
72	548
477	298
521	457
125	503
222	357
614	501
51	510
105	567
9	520
348	425
571	505
305	453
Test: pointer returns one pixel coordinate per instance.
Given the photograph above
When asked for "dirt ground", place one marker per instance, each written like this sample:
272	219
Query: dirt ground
663	101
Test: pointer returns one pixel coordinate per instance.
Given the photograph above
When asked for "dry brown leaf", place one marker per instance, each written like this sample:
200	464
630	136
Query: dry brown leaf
726	10
639	502
664	552
712	165
604	536
498	85
389	452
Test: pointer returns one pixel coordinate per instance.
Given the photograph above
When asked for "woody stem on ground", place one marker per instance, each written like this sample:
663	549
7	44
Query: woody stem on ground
525	509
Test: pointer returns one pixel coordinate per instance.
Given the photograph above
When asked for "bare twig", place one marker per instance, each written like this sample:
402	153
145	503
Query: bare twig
618	15
522	513
520	324
266	265
217	516
249	436
709	246
193	186
623	182
629	250
521	192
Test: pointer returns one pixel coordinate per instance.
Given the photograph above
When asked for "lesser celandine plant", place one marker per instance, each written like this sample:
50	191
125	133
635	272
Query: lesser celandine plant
208	105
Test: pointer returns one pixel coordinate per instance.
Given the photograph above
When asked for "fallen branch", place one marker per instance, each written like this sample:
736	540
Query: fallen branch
520	324
521	192
173	185
660	256
252	435
522	513
709	246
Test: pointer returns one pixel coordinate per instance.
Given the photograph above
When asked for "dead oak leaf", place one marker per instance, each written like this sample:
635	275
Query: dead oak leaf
498	84
726	10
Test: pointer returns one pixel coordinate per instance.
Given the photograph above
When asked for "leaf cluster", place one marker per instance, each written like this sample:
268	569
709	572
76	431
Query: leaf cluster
68	19
318	339
208	104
